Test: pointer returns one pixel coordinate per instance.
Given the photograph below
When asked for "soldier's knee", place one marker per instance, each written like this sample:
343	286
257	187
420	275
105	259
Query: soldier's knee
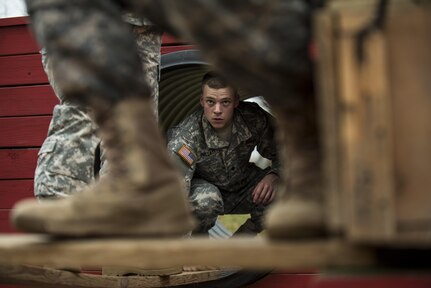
208	209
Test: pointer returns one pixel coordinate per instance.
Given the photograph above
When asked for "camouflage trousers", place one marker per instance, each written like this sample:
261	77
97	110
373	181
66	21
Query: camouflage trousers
68	160
208	201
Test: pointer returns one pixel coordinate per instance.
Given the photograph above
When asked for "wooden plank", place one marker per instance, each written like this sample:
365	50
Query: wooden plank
22	70
27	100
25	43
13	190
22	39
328	104
408	35
152	253
347	104
372	197
27	69
46	277
18	163
358	5
23	131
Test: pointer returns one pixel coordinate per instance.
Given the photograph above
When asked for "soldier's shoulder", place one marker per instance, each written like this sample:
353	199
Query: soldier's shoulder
251	110
187	128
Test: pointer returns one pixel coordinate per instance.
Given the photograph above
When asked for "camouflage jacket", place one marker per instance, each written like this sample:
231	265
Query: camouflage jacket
200	153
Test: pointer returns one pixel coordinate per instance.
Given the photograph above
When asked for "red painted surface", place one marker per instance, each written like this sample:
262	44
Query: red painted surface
22	39
27	100
21	70
170	49
28	131
170	40
394	280
18	163
285	280
12	21
12	286
13	190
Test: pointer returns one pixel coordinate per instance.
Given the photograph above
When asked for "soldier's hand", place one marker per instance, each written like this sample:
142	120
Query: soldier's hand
264	192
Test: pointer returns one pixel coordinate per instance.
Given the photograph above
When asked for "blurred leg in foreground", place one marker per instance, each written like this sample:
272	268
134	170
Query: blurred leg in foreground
94	56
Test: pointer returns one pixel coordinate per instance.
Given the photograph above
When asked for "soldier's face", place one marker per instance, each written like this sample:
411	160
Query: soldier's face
219	105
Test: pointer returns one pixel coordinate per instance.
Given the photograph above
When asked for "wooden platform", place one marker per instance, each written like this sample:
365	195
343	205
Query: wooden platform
254	253
48	277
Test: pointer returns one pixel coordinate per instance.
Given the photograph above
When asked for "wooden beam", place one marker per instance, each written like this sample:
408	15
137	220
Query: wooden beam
254	253
27	100
29	131
47	277
22	70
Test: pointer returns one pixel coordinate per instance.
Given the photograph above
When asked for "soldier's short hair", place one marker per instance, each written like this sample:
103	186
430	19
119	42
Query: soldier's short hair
216	81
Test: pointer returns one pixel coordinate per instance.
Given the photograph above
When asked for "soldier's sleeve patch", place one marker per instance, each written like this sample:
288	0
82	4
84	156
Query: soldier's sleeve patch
186	154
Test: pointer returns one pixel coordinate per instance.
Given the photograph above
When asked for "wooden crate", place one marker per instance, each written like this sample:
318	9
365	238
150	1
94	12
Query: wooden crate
376	122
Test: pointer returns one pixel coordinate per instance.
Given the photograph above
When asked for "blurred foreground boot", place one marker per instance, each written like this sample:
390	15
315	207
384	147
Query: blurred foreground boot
130	271
142	195
299	212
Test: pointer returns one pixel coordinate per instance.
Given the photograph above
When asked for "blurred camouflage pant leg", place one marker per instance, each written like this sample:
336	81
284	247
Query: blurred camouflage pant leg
66	159
207	204
149	41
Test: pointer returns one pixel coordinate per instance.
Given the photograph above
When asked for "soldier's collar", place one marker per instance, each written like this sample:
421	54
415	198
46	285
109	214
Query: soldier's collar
240	133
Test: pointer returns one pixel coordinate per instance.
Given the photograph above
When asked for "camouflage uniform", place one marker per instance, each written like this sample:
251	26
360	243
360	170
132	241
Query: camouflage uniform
67	160
218	175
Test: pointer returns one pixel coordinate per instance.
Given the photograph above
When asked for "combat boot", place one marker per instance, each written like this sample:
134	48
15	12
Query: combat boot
142	195
299	210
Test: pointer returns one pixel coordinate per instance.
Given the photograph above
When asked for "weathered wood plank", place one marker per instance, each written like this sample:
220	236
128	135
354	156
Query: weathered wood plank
22	70
23	131
328	104
18	163
46	277
152	253
13	190
21	37
373	198
27	100
408	35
